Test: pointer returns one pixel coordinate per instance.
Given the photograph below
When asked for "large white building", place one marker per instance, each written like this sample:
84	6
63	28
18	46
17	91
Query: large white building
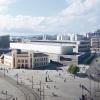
54	47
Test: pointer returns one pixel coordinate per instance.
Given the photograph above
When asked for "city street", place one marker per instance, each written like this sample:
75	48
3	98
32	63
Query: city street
59	84
94	71
15	91
94	68
48	84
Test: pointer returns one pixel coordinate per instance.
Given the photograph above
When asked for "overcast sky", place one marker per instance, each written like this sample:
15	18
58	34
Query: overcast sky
49	16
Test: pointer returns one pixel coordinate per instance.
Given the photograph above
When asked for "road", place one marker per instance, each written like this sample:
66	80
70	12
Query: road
94	68
28	93
94	71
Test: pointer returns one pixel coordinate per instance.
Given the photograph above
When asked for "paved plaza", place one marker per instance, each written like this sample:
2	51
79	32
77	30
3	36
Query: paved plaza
8	91
55	84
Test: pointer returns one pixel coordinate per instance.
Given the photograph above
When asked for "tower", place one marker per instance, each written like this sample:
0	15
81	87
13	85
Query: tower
14	58
31	59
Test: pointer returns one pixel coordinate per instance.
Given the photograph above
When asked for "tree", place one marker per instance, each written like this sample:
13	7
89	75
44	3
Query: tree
73	69
70	68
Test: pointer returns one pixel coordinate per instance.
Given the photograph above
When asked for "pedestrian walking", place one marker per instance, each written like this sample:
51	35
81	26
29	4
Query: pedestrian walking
65	80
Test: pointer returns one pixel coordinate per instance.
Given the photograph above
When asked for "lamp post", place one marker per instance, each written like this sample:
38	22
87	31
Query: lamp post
6	94
4	72
32	82
40	90
98	84
43	93
17	78
90	85
81	86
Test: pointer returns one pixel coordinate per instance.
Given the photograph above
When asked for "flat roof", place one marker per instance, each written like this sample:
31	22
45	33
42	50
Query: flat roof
9	53
39	54
4	35
53	41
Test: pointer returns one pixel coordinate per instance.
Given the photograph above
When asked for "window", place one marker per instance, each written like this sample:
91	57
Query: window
22	60
26	65
30	55
40	59
18	65
26	61
18	60
46	59
22	66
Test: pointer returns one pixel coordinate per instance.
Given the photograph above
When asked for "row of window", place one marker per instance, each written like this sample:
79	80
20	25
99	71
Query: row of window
41	64
84	46
95	46
95	39
22	65
22	61
41	59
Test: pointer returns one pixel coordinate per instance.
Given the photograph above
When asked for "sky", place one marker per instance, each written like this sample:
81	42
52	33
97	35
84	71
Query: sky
49	16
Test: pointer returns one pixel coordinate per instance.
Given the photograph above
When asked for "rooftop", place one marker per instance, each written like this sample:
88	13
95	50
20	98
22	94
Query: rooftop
36	54
9	53
1	34
39	54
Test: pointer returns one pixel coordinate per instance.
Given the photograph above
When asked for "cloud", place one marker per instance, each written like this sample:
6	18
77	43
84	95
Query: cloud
6	2
4	5
85	15
78	16
78	7
10	22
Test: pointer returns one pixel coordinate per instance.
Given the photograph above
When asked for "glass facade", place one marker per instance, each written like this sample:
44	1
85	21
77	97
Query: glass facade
4	41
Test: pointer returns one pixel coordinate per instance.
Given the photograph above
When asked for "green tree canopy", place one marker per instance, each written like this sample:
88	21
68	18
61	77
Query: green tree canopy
73	69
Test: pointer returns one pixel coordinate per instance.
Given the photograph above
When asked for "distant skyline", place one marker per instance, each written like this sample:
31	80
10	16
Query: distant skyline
49	16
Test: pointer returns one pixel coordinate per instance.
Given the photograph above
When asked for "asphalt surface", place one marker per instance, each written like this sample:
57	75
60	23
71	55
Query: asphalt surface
94	73
94	69
29	94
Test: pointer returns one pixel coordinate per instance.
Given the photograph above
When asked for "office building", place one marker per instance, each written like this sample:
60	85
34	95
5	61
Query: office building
95	43
58	51
4	44
94	40
55	47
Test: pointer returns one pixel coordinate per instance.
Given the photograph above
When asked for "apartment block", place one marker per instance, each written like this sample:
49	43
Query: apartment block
95	43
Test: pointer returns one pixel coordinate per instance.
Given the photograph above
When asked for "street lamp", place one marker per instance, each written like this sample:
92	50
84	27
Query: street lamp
4	72
98	84
40	90
90	85
32	82
43	93
6	94
82	95
17	78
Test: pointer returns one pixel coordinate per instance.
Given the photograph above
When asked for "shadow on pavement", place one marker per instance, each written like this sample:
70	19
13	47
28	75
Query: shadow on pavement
51	66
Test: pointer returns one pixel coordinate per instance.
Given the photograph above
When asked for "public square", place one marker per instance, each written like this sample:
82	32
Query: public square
54	84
